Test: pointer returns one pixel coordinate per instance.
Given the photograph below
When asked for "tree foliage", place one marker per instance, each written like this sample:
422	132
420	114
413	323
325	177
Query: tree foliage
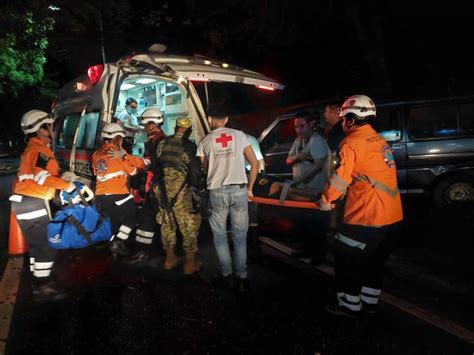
22	54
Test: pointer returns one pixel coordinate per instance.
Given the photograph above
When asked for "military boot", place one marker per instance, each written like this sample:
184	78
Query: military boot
49	291
191	265
119	247
171	259
141	258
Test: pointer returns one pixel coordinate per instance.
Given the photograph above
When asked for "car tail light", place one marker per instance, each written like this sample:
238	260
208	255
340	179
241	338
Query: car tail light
263	87
95	73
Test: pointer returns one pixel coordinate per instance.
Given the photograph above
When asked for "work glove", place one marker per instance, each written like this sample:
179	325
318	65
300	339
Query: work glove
120	153
325	206
73	191
69	176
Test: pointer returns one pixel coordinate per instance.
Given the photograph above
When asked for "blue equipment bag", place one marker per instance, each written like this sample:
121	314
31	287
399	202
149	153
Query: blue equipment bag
78	226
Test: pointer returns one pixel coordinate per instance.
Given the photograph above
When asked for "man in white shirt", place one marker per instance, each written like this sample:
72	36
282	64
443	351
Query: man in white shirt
223	153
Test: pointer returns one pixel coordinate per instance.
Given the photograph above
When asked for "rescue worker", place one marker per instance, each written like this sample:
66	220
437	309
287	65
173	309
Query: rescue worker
151	118
112	165
37	182
178	169
367	175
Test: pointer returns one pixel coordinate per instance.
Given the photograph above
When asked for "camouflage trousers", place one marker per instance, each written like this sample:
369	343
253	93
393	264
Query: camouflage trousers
181	215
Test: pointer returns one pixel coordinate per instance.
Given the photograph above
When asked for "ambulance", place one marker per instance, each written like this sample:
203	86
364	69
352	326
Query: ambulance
177	85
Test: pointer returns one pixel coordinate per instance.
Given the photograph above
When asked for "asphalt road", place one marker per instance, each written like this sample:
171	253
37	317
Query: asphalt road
114	309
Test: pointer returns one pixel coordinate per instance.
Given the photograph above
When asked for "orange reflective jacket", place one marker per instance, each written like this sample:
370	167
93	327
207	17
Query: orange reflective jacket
112	172
367	173
38	172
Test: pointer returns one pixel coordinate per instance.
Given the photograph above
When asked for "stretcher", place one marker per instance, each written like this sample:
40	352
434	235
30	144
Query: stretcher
286	203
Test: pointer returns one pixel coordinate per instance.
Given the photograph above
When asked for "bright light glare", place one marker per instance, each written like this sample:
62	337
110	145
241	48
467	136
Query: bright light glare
145	81
126	86
53	8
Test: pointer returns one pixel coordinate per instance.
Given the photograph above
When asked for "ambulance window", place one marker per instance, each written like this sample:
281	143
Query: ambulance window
87	131
66	133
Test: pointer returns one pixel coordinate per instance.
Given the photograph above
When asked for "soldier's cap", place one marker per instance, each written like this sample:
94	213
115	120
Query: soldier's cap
184	122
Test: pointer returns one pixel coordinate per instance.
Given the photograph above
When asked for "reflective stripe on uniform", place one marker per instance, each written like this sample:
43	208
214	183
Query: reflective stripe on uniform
16	198
144	237
349	301
378	185
122	235
144	240
122	201
145	233
110	176
32	215
371	291
43	269
26	177
134	172
32	264
40	178
147	161
350	242
44	265
338	183
123	228
370	299
41	273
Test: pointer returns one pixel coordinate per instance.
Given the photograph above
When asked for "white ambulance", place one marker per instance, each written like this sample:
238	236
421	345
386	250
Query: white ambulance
177	85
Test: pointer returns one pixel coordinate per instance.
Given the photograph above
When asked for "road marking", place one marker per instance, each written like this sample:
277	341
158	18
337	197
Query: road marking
8	293
441	323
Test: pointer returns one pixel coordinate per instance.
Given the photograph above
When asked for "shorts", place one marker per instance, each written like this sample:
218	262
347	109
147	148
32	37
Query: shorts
262	186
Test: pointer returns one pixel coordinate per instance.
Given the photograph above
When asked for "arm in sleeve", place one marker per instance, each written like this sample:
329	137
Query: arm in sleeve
131	164
33	167
136	162
342	177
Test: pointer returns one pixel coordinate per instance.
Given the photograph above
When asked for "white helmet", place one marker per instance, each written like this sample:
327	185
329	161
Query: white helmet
360	105
112	130
152	115
32	120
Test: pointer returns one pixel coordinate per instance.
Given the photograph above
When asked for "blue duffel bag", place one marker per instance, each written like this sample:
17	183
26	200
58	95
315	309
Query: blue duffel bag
78	226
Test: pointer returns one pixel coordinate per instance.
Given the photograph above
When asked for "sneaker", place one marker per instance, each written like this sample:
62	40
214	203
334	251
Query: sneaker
139	259
242	286
119	247
342	311
49	291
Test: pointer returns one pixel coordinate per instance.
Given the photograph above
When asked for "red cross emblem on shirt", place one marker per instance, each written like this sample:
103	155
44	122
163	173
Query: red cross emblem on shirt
224	139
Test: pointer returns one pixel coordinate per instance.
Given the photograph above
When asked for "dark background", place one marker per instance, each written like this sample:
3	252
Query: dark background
319	50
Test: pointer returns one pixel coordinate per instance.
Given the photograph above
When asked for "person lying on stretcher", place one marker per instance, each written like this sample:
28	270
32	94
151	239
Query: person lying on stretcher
268	187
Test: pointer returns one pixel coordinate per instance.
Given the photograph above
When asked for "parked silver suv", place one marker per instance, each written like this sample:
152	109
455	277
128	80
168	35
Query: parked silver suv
432	141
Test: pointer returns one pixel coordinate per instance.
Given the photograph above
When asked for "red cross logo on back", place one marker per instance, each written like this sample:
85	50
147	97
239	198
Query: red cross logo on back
224	139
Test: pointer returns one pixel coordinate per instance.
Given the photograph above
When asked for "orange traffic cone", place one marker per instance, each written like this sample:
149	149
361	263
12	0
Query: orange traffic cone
16	243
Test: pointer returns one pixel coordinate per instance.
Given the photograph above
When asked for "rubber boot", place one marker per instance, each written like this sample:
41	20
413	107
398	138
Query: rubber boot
171	259
191	265
49	291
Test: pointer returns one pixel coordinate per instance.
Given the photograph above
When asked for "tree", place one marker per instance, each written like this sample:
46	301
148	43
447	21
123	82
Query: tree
22	53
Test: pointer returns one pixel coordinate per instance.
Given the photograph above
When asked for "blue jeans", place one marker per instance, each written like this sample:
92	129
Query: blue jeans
231	200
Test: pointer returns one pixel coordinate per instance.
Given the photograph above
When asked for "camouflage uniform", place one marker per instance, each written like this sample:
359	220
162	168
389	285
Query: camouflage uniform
177	156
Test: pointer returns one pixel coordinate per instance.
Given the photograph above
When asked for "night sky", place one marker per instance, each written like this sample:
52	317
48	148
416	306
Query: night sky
319	50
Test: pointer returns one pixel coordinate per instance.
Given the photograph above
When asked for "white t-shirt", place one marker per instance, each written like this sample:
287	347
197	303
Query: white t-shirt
318	149
256	149
224	151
